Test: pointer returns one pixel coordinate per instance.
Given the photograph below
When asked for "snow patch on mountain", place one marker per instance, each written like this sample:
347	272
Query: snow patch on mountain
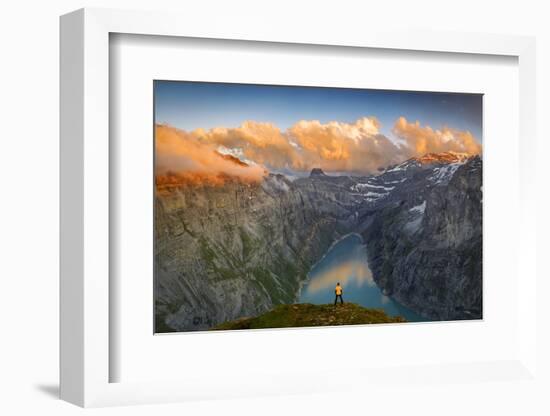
443	174
360	187
419	208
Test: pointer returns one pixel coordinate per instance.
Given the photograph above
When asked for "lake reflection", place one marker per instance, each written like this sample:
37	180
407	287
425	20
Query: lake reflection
346	262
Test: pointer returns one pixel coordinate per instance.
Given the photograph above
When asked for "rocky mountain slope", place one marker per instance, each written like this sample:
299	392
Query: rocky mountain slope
223	252
239	249
425	243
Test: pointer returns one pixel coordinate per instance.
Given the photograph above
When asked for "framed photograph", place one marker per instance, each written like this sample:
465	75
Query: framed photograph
274	203
242	215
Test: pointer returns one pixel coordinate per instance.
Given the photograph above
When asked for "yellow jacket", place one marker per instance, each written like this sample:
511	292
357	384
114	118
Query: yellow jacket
338	290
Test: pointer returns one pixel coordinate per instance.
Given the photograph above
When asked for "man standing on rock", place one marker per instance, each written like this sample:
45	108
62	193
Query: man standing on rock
338	290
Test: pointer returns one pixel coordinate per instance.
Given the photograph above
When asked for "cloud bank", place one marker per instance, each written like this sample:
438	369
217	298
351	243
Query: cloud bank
187	157
420	140
357	147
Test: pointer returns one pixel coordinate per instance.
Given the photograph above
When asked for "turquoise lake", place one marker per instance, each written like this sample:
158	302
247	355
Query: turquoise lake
346	262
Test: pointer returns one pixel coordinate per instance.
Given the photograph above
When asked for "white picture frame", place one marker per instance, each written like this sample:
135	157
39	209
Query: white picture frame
85	182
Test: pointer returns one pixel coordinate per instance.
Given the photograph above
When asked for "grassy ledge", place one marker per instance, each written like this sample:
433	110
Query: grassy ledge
306	314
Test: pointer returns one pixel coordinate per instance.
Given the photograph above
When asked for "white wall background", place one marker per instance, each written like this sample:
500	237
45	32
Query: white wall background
29	56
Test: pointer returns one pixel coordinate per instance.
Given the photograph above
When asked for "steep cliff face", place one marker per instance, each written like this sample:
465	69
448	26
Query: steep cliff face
224	252
425	246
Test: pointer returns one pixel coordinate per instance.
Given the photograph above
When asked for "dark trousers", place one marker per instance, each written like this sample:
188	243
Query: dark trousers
338	297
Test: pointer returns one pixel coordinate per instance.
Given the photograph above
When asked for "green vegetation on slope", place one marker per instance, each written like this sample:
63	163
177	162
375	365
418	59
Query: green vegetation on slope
306	314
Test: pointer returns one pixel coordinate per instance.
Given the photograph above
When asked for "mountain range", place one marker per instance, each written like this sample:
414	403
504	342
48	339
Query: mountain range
225	252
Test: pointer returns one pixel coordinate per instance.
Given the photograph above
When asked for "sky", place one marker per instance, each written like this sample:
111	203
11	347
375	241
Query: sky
296	128
192	105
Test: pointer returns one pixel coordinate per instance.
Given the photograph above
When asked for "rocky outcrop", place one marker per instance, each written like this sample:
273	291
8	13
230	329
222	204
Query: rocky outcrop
316	172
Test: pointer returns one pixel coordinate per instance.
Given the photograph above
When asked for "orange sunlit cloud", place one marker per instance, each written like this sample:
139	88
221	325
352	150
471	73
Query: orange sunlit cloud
263	143
180	153
423	139
356	147
351	147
